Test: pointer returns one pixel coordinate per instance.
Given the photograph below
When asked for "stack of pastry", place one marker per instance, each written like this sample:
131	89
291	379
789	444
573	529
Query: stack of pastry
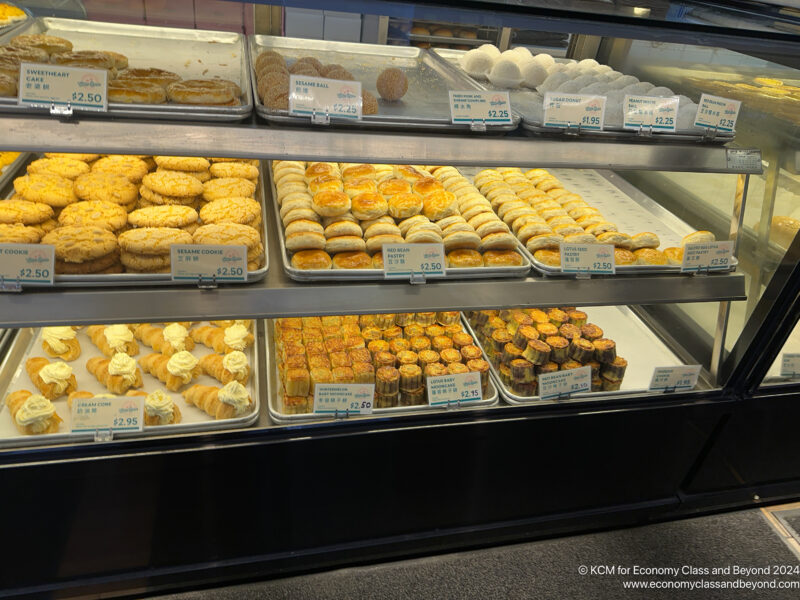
524	343
394	351
125	85
90	209
351	210
272	73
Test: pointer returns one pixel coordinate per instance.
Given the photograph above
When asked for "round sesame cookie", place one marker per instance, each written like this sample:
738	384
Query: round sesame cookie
173	183
16	233
154	198
234	169
46	188
24	211
231	234
230	210
94	212
144	262
228	187
120	164
87	158
79	243
107	187
65	167
152	240
182	163
202	176
96	265
163	216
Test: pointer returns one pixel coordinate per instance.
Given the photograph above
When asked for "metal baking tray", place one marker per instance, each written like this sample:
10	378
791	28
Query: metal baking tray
623	204
276	391
17	25
126	279
191	53
527	104
425	106
377	274
12	169
28	343
643	350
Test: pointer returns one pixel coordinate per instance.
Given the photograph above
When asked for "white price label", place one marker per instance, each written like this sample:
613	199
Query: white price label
790	365
454	389
43	85
660	114
491	108
117	413
674	378
586	111
745	160
587	258
352	398
717	113
192	262
310	96
27	263
709	256
565	383
401	261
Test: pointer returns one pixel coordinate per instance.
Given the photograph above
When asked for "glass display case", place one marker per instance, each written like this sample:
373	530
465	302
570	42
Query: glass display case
131	387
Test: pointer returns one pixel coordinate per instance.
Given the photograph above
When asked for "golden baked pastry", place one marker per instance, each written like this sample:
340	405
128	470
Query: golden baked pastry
94	213
163	216
155	76
228	187
120	164
228	234
352	260
311	259
49	43
80	243
47	188
331	203
152	240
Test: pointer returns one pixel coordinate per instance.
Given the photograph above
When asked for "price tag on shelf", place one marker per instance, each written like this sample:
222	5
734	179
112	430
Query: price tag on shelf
404	261
643	112
325	98
669	379
747	160
45	85
709	256
717	113
587	258
27	263
193	262
790	365
559	384
586	111
107	412
491	108
352	398
454	389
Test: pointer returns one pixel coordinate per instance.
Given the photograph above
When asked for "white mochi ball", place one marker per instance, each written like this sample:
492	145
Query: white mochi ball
477	63
588	62
553	81
491	50
514	57
533	74
637	89
598	87
661	92
523	52
544	60
505	73
569	87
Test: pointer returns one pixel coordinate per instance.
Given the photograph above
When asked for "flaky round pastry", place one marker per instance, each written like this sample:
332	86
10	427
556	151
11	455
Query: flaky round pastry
8	86
406	224
598	228
377	229
674	255
426	185
130	91
581	238
492	227
331	203
342	228
461	239
49	43
324	183
204	91
393	186
439	204
502	258
302	226
28	54
650	256
369	206
404	205
360	185
646	239
551	258
423	236
317	169
159	77
544	240
476	210
370	222
698	237
375	243
352	260
359	171
618	239
624	257
464	258
311	260
83	58
345	243
498	241
304	240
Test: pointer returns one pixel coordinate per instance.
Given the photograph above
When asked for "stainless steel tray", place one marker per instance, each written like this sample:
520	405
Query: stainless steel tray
377	274
633	211
527	104
12	169
276	392
129	279
425	106
191	53
643	350
13	28
28	342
